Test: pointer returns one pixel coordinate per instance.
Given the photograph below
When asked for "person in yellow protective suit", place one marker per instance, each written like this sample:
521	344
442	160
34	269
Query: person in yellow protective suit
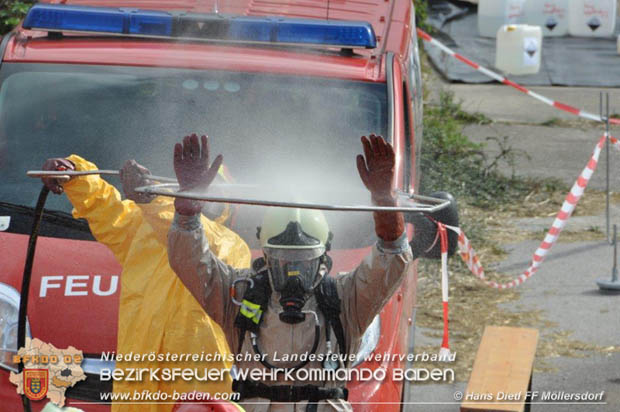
157	313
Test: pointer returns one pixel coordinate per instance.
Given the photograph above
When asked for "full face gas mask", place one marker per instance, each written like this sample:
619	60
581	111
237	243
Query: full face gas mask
294	274
294	242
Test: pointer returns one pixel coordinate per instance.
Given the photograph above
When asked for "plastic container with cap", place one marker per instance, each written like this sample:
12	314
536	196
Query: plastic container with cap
550	15
592	18
519	49
492	14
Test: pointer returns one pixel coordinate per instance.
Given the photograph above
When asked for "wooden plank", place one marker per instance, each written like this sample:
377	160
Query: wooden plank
502	370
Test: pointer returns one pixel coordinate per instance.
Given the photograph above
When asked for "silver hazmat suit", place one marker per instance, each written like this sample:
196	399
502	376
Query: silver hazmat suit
363	293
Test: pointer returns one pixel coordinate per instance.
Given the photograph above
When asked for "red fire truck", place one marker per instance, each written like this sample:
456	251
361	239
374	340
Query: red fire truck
266	79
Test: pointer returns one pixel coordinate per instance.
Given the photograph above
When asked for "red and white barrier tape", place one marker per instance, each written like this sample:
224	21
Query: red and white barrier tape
498	77
444	352
468	253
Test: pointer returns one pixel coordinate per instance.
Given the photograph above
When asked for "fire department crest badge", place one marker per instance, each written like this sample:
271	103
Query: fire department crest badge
48	371
36	383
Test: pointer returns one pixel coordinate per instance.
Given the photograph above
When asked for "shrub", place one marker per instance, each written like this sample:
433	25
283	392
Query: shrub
11	13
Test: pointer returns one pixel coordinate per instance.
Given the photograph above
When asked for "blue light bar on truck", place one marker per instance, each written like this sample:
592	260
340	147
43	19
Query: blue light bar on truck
195	26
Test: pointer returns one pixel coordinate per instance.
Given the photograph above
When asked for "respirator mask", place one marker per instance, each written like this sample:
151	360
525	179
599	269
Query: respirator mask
294	273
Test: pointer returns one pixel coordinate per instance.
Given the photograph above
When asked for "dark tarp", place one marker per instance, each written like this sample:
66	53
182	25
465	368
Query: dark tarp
566	61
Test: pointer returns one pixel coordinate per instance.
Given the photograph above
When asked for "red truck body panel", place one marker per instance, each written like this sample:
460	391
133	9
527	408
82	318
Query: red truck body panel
73	279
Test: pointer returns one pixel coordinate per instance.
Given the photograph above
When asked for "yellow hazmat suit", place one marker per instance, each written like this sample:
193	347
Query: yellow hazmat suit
157	313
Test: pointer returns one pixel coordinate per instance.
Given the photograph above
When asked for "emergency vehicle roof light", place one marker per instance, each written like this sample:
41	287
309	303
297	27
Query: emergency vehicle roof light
194	26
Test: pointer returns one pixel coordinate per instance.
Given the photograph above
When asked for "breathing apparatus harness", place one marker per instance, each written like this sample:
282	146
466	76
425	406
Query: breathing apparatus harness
256	301
296	265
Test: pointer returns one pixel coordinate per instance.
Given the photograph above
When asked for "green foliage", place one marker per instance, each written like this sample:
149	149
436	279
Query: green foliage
449	107
11	13
421	14
451	162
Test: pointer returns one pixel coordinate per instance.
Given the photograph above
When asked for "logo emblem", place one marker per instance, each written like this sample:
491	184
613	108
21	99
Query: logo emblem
36	383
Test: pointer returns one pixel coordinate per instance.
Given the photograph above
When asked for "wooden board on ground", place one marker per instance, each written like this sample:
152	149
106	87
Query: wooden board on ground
502	370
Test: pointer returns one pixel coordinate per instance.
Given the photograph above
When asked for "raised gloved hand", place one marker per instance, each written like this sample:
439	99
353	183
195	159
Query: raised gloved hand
135	175
376	169
54	184
191	166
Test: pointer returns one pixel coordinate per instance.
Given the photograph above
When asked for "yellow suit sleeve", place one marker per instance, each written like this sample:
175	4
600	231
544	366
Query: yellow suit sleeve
225	243
112	222
158	214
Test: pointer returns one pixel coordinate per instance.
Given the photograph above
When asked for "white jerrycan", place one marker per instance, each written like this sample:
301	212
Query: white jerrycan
592	18
492	14
550	15
519	49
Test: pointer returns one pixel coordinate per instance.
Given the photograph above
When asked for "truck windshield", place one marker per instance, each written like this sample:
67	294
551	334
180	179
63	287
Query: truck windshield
289	136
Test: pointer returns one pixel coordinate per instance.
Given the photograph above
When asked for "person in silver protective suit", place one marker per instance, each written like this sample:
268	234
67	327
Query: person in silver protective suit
287	304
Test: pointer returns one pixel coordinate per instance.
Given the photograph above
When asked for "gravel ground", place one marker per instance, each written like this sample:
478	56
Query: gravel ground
565	288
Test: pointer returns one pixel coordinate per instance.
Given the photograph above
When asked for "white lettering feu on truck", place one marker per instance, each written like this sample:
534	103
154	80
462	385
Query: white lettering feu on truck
79	285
